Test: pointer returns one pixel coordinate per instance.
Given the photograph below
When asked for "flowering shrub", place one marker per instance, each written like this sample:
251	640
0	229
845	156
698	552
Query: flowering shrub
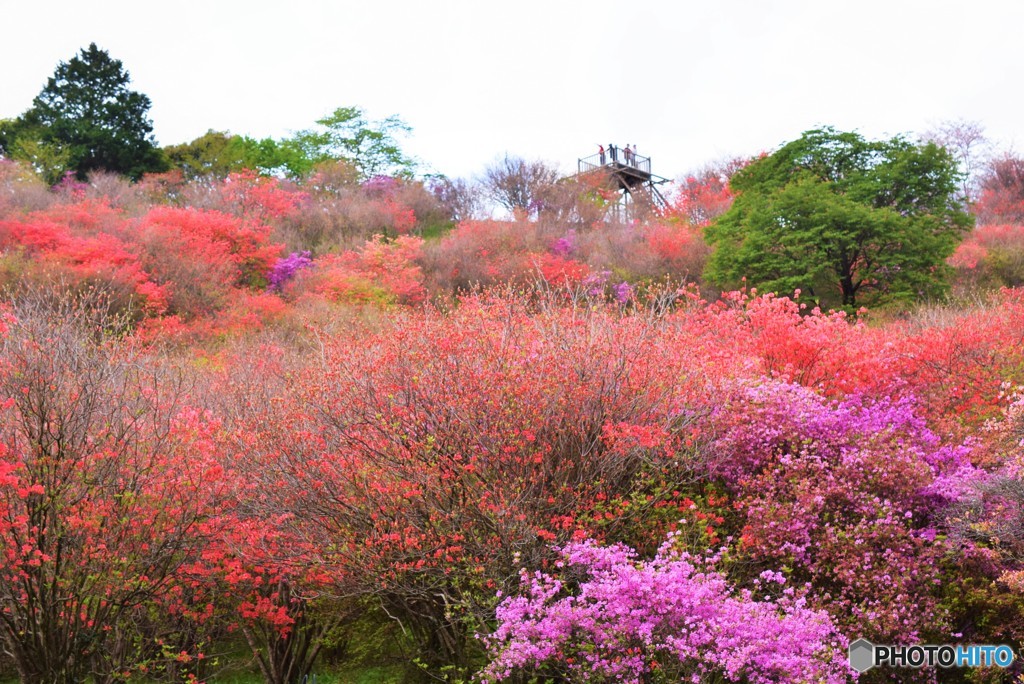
422	455
491	252
77	243
702	197
668	242
485	253
1002	191
285	269
229	251
101	508
257	198
992	254
559	271
623	292
399	218
829	488
382	272
70	186
564	246
968	255
608	617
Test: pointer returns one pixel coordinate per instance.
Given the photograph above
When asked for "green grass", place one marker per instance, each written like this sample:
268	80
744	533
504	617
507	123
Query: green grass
436	230
373	674
367	674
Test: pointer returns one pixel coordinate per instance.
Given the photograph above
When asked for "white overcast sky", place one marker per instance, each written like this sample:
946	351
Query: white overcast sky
686	82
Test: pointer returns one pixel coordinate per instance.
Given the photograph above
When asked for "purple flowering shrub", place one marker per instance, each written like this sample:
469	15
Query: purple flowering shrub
607	616
380	185
595	283
623	292
847	494
565	246
285	269
70	186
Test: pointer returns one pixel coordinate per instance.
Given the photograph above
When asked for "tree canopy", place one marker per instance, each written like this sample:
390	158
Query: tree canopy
86	118
215	153
843	219
346	135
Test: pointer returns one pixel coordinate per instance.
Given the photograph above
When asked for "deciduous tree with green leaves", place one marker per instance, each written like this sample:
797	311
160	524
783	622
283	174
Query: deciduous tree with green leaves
214	154
845	220
346	134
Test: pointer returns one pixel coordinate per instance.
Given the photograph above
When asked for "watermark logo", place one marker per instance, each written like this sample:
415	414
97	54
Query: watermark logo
865	655
862	655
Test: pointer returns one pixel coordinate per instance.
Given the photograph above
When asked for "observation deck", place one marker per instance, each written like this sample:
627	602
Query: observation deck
638	169
629	174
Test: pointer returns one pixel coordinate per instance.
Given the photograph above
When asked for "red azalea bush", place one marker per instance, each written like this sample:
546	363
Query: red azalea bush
381	271
78	246
109	485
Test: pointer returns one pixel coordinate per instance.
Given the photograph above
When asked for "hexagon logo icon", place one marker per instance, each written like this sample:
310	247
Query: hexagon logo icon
862	655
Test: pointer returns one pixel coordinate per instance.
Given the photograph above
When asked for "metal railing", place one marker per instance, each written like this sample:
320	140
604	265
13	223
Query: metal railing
619	161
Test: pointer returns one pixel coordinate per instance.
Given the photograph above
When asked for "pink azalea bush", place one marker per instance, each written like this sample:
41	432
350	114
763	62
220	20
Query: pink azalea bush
674	617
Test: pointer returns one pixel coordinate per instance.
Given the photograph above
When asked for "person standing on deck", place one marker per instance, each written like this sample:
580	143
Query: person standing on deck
600	152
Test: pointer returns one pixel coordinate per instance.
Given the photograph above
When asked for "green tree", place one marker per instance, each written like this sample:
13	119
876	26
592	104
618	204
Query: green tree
87	115
47	159
845	220
8	131
217	154
277	157
346	134
214	154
